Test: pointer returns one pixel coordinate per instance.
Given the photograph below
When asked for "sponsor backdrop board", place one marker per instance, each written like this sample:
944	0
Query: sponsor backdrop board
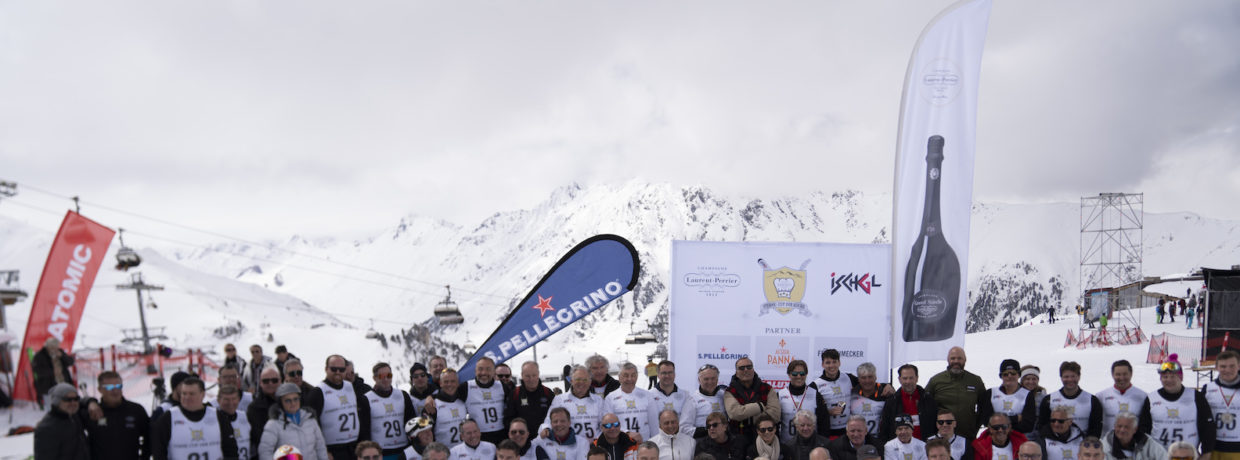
776	302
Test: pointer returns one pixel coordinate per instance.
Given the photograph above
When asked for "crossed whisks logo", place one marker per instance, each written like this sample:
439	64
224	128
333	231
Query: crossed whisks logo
784	289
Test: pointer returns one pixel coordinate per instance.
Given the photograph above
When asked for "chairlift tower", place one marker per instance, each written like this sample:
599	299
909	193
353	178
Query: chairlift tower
138	284
1112	228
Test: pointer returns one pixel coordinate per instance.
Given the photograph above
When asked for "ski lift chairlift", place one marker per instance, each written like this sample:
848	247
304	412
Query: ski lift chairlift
447	311
126	257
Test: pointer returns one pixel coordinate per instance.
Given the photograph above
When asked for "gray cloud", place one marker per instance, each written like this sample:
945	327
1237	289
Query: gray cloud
281	117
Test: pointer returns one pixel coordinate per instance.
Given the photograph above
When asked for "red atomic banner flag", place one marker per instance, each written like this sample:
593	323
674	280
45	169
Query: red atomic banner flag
70	271
934	184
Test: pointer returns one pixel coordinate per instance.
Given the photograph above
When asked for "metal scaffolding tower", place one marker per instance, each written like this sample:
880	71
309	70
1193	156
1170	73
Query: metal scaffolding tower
1112	227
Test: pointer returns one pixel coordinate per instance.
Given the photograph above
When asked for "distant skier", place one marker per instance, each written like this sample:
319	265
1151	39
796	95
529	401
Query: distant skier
1188	314
1050	315
1159	311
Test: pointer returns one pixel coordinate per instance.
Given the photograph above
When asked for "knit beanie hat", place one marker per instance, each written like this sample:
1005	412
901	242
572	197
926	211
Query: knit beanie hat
59	392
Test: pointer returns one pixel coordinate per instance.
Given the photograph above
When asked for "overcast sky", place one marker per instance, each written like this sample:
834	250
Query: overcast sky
268	118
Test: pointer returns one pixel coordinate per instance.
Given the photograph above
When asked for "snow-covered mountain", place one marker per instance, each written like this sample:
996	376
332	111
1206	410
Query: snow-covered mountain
375	296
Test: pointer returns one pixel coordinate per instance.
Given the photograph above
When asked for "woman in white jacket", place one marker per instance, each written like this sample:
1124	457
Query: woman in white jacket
288	423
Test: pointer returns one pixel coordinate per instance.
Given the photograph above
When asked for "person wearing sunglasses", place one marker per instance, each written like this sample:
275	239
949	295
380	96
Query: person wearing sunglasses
519	434
718	442
294	373
998	440
748	397
290	423
1091	449
1061	439
1221	393
390	409
796	397
232	358
631	405
767	444
614	440
911	400
1086	409
251	374
259	411
945	424
1126	442
59	434
1181	450
1174	414
419	386
1009	398
708	398
503	373
905	446
116	427
1120	397
343	419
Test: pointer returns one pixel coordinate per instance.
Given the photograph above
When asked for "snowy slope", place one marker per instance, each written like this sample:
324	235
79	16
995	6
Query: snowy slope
1022	259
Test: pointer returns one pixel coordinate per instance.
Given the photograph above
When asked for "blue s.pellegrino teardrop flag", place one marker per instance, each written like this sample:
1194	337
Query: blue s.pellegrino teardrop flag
592	274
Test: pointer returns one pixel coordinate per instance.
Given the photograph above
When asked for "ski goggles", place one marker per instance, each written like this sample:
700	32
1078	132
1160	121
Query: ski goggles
1170	366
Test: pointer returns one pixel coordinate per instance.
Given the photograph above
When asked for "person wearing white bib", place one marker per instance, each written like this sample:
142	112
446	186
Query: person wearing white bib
563	442
708	398
631	405
1030	451
192	429
1125	442
370	450
421	436
1086	410
836	389
905	446
485	400
1010	399
472	447
998	441
231	376
959	447
390	410
587	408
1121	397
1221	394
869	397
1091	449
667	395
796	397
1061	439
447	409
1174	414
938	449
343	419
229	402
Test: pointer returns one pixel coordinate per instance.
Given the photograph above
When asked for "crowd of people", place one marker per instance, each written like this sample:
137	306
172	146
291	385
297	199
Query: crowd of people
269	412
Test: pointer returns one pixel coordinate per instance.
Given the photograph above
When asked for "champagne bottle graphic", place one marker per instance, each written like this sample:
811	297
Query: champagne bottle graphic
932	280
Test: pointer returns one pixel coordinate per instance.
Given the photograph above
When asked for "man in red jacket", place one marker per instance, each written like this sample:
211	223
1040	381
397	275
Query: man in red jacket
998	442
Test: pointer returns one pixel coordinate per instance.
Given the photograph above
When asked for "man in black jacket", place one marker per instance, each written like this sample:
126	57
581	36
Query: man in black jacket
601	382
718	442
118	428
531	400
256	414
855	437
339	400
912	400
51	365
59	434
